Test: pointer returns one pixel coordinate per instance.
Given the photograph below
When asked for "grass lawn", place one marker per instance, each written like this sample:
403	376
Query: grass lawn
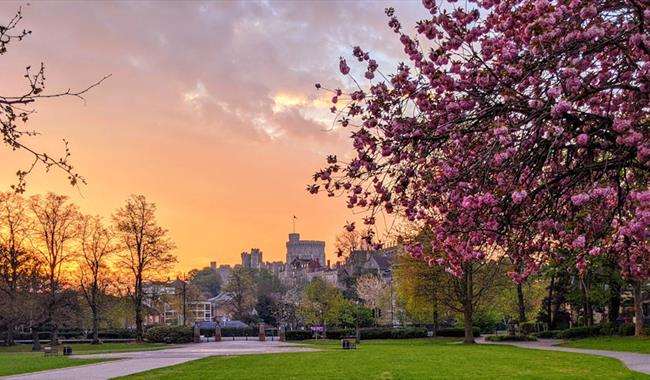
613	343
401	359
87	348
20	359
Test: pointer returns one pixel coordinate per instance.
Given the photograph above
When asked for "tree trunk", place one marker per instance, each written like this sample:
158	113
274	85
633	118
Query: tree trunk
36	342
139	330
95	326
551	317
468	312
586	305
521	304
434	302
54	338
638	311
10	333
614	301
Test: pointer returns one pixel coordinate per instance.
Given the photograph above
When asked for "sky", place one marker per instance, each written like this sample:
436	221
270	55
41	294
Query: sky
210	111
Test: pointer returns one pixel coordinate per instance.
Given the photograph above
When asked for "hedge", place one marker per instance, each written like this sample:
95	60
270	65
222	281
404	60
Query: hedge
298	335
549	334
169	334
409	333
457	332
113	334
510	338
579	332
370	333
338	334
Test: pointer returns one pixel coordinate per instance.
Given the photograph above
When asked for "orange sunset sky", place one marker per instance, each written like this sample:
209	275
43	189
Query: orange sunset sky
211	111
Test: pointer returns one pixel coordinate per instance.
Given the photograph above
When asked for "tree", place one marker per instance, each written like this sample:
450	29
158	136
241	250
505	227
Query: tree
421	289
373	292
524	114
207	280
319	303
242	289
15	111
17	261
97	247
145	249
56	226
349	241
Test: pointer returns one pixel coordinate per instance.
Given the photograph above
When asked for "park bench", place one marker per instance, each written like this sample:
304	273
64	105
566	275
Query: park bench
348	343
50	351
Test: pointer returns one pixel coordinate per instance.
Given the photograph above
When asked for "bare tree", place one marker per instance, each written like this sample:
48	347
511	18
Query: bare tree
349	241
16	259
146	248
55	228
97	246
16	109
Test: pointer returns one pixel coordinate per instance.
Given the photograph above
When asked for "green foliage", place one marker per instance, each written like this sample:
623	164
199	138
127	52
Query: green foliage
486	321
626	329
526	328
206	280
457	332
320	304
510	338
114	334
169	334
549	334
299	335
348	313
579	332
242	288
338	334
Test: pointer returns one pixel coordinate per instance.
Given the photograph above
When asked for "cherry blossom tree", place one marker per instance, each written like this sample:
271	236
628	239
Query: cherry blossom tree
508	119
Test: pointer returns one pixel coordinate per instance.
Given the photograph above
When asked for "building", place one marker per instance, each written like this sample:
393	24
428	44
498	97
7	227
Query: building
305	249
253	259
196	311
225	271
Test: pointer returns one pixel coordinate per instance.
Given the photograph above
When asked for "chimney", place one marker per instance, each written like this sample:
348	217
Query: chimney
328	264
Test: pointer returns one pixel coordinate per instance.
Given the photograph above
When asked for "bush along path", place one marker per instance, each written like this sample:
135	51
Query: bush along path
634	361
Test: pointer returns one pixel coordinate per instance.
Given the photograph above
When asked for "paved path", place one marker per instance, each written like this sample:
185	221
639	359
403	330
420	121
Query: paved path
634	361
134	362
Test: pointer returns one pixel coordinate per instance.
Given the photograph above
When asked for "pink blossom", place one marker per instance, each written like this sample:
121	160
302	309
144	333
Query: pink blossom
582	139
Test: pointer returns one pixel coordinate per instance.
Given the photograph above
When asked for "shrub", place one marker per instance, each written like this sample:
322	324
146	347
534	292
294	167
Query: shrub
626	329
338	334
169	334
608	328
457	332
409	333
579	332
527	327
376	333
510	338
298	335
113	334
550	334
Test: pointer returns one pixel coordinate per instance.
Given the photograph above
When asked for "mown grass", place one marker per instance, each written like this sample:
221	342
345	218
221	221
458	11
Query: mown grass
613	343
20	358
401	359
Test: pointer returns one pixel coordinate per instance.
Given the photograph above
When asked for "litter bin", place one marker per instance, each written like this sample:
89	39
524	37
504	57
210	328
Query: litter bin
67	350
